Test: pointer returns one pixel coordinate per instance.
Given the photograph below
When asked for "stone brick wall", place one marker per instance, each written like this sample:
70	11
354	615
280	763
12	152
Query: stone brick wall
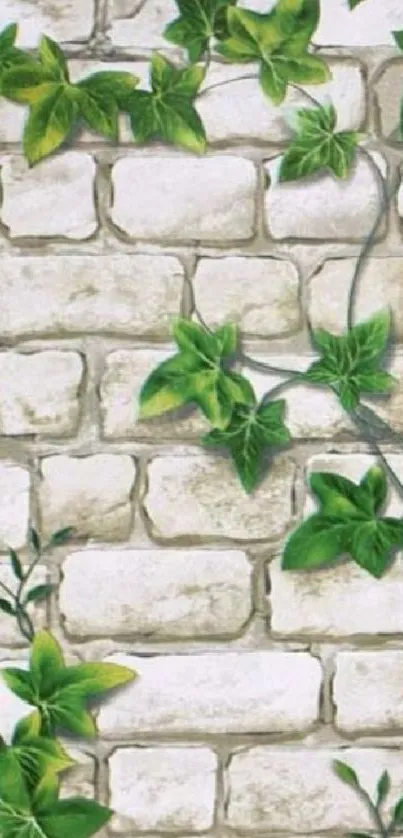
251	679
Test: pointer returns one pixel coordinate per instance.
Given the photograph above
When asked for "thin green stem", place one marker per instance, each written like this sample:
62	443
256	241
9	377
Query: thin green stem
225	82
373	811
385	200
25	623
307	95
7	590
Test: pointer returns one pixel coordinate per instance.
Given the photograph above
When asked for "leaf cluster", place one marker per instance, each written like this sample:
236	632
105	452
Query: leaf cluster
348	776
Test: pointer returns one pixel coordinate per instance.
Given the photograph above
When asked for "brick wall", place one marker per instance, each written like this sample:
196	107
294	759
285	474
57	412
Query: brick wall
251	679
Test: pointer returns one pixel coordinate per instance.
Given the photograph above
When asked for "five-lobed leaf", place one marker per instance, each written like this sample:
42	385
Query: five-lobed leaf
349	363
347	524
60	692
199	21
167	112
279	40
196	375
318	146
252	430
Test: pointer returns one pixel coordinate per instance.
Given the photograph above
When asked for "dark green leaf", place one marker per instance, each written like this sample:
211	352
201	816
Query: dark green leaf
61	536
8	37
398	812
19	682
13	791
16	565
353	3
345	773
100	113
74	817
373	542
168	112
318	540
110	85
53	59
382	788
339	496
252	430
199	21
6	607
49	124
38	593
29	84
34	539
398	36
376	485
318	146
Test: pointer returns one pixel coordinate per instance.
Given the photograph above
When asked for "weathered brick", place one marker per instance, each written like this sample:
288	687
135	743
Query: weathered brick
79	779
14	505
10	634
134	296
214	198
238	111
368	690
200	497
70	20
139	26
170	789
39	393
387	101
91	494
322	206
336	602
155	593
296	790
260	295
125	373
379	288
215	693
370	24
53	198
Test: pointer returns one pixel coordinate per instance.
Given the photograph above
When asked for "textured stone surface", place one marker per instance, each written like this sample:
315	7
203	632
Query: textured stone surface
69	20
214	198
91	494
127	295
14	505
388	103
372	24
336	602
323	207
368	690
224	693
54	198
156	593
240	111
39	393
137	25
200	497
295	790
260	295
171	789
125	373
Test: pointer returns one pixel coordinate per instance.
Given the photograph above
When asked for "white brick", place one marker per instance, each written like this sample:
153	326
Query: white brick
139	26
336	602
354	466
10	634
379	287
370	24
39	393
170	789
260	295
368	690
201	497
53	198
14	506
296	790
134	296
387	101
91	494
155	593
240	111
69	20
214	198
79	779
323	206
215	693
125	373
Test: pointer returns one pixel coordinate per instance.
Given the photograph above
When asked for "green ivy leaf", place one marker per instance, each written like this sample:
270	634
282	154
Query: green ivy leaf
60	692
398	36
346	523
53	59
252	430
6	607
34	540
196	375
353	3
16	565
38	593
318	146
10	55
345	773
279	40
199	21
37	755
382	789
168	112
49	124
349	362
61	537
398	812
112	85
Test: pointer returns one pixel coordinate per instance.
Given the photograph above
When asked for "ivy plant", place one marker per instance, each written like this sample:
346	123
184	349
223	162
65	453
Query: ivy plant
57	696
374	805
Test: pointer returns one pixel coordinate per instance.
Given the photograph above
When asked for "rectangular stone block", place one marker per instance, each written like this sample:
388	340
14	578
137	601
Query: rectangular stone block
70	20
14	506
169	789
138	27
295	790
388	103
200	497
368	691
223	692
214	198
156	593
